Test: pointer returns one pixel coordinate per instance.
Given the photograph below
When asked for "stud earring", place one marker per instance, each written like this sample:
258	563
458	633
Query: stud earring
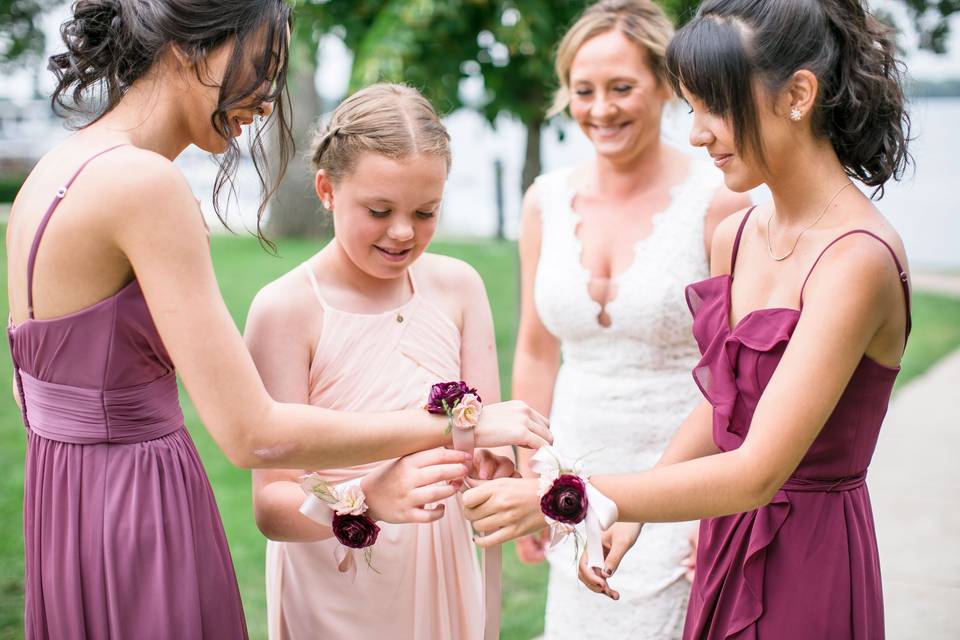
796	114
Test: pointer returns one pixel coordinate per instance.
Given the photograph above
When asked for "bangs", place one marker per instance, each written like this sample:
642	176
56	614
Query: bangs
708	59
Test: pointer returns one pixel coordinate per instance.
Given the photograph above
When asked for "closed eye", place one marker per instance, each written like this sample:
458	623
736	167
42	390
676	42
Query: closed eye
426	214
378	214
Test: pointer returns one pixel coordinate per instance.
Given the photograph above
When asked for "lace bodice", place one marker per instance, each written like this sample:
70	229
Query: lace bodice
650	324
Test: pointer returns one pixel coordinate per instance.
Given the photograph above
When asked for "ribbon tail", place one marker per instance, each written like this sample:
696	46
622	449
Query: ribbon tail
601	514
492	560
346	563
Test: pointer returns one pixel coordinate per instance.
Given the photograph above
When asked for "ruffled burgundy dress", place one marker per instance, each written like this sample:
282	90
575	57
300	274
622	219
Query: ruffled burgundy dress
122	535
805	565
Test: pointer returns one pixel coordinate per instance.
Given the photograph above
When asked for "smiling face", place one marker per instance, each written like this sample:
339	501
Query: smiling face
744	168
217	82
615	96
385	210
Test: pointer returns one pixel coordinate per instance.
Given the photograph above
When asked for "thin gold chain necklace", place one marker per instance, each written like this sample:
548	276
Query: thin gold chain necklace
805	229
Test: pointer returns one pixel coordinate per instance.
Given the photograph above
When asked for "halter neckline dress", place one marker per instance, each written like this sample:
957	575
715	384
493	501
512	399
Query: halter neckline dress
424	580
122	535
805	565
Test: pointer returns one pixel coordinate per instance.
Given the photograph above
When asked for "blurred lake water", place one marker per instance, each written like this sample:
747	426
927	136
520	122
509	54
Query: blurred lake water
923	207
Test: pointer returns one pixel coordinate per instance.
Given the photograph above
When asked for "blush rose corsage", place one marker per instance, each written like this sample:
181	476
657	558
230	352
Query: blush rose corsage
343	508
570	504
462	406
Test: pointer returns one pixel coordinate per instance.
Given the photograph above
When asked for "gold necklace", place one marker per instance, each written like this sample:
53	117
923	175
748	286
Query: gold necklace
805	229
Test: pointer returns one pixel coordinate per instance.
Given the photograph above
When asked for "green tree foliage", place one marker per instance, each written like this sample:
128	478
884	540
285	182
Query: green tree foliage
21	39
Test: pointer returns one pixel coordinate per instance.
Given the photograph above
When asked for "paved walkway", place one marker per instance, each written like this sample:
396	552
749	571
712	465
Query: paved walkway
915	488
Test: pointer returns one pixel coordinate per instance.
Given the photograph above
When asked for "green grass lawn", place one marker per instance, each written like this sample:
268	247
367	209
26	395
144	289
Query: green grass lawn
243	268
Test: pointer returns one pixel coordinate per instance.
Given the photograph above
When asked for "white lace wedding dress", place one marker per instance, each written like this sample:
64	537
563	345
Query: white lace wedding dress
620	394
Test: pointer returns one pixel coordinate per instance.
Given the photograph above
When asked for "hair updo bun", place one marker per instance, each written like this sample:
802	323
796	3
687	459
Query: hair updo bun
111	44
860	105
100	55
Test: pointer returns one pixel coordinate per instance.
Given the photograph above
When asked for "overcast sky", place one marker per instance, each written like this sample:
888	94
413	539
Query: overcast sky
921	64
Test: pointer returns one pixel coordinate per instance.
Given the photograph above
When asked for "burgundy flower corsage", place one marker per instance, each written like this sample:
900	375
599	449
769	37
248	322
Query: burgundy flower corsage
343	508
570	504
456	400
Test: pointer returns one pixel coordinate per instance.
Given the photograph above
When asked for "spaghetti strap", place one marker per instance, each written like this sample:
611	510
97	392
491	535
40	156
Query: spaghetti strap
900	270
38	235
314	285
736	242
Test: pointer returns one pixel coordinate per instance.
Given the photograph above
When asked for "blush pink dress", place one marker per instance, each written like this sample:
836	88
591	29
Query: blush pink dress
427	579
121	531
805	565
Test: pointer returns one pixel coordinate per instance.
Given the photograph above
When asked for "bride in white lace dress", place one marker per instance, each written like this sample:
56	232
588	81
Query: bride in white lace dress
606	250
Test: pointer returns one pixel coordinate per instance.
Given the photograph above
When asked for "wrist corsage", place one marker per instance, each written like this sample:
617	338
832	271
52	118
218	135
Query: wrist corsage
462	406
570	504
343	508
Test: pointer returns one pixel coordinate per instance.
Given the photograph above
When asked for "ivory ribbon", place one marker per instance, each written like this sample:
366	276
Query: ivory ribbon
601	510
491	559
322	513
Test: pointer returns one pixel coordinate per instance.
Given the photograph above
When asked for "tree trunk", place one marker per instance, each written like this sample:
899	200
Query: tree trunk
294	208
531	161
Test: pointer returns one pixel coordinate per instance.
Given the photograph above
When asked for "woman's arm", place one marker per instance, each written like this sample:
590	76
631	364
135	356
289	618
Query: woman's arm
159	229
837	326
478	355
536	359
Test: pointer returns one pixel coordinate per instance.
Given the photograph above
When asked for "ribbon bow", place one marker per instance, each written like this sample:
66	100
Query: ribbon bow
601	510
322	512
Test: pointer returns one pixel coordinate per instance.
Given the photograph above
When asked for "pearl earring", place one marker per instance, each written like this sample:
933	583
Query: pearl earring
796	114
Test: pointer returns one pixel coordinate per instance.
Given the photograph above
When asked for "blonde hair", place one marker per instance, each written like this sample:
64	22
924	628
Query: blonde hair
392	120
643	22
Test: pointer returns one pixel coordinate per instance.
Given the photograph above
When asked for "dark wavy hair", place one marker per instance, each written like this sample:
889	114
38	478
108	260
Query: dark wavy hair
860	105
113	43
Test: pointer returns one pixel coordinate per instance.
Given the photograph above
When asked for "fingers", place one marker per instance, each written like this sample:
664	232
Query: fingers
423	516
432	493
593	579
618	549
534	441
440	473
440	455
499	536
473	498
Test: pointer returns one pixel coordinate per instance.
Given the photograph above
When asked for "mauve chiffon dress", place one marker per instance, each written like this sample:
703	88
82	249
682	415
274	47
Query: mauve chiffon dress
805	565
122	535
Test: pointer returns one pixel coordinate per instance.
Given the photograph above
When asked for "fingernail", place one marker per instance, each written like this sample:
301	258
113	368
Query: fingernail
607	572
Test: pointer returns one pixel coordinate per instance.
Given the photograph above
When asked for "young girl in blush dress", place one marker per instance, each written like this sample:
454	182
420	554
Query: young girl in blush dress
371	322
801	329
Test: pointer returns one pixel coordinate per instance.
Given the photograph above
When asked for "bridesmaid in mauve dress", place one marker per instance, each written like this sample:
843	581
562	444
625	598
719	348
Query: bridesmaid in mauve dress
801	329
110	284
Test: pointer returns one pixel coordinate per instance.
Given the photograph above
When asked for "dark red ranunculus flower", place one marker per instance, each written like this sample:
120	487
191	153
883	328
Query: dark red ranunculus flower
449	393
355	532
566	501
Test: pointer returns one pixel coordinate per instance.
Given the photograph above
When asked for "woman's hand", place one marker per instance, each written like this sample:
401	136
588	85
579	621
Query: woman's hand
488	465
532	549
617	540
507	507
512	423
397	491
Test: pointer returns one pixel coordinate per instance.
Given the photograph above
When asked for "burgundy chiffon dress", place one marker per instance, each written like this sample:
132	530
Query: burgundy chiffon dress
122	536
805	565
